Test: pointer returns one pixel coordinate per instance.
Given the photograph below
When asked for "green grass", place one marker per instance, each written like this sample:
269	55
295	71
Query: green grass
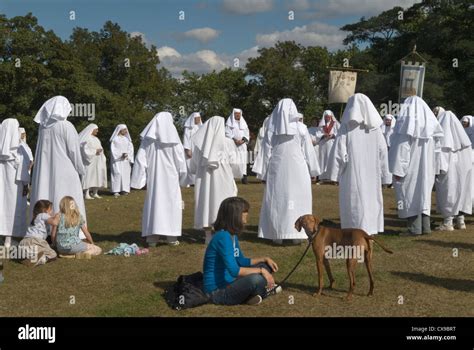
422	270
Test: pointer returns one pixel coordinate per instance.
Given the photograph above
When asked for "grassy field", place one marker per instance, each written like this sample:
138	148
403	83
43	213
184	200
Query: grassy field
422	271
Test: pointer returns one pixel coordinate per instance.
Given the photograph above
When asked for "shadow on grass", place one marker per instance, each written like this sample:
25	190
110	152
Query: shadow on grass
189	236
455	284
338	292
459	245
163	285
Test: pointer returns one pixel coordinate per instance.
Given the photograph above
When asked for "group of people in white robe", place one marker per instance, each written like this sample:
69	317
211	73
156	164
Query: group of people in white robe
361	153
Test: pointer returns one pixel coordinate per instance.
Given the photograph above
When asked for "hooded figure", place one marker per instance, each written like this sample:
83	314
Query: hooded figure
388	127
358	161
287	165
121	160
412	162
261	159
14	179
260	136
191	126
58	162
437	111
161	166
453	187
214	164
325	138
236	129
94	161
468	124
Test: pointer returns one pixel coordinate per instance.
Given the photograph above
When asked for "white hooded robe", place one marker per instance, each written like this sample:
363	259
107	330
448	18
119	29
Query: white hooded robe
237	130
358	161
324	144
190	128
417	137
160	165
453	187
95	164
120	169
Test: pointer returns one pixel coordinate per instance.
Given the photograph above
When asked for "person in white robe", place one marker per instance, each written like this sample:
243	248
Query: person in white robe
359	162
191	126
94	161
438	110
260	136
453	187
215	164
468	124
25	148
388	127
261	159
325	137
412	162
121	160
58	164
287	165
236	128
14	180
160	165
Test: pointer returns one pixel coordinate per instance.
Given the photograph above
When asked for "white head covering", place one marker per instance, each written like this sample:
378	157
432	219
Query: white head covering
190	123
52	111
22	130
9	138
417	120
232	123
322	122
210	139
119	128
470	129
360	110
391	118
437	111
284	118
455	138
86	133
161	129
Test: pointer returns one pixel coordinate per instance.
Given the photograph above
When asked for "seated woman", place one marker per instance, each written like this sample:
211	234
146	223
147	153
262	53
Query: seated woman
229	277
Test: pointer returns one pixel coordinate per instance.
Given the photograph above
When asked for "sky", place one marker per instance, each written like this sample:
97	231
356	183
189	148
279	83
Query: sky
213	32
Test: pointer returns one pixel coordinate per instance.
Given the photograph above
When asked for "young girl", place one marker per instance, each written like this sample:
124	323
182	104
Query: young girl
70	224
229	277
35	238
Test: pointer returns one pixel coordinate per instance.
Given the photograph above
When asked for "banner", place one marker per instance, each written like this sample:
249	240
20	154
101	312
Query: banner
412	77
342	85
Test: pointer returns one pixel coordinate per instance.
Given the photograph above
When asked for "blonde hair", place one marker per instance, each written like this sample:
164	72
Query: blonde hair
68	207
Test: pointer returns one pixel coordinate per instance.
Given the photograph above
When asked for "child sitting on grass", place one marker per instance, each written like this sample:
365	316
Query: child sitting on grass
68	242
34	242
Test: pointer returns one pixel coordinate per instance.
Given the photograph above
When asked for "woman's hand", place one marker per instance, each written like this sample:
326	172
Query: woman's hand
268	276
272	264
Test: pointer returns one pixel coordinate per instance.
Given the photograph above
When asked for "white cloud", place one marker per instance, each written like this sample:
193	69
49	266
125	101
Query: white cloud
247	7
203	35
201	62
142	35
314	34
299	5
338	8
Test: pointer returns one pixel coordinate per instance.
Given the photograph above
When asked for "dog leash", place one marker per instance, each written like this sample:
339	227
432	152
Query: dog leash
310	241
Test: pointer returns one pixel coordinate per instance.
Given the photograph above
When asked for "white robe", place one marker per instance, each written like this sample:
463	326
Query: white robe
288	194
359	163
412	157
470	133
160	166
214	164
324	148
453	187
58	166
120	169
14	176
95	165
188	145
237	130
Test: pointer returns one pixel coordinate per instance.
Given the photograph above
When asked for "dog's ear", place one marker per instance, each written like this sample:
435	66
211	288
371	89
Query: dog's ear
298	224
317	220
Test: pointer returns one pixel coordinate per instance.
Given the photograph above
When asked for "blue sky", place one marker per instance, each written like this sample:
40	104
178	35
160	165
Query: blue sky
214	32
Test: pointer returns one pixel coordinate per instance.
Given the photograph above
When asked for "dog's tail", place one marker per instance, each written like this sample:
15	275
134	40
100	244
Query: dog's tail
372	238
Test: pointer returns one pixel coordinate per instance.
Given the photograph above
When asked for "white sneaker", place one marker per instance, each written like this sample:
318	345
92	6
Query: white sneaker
116	195
273	291
460	226
96	195
445	227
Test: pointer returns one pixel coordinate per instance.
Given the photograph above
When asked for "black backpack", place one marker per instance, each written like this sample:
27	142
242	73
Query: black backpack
187	292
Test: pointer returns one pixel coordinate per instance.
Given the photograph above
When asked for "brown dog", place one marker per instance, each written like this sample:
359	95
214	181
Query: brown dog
343	241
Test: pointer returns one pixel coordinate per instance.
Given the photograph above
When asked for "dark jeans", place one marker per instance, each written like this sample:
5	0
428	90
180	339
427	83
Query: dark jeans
242	289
